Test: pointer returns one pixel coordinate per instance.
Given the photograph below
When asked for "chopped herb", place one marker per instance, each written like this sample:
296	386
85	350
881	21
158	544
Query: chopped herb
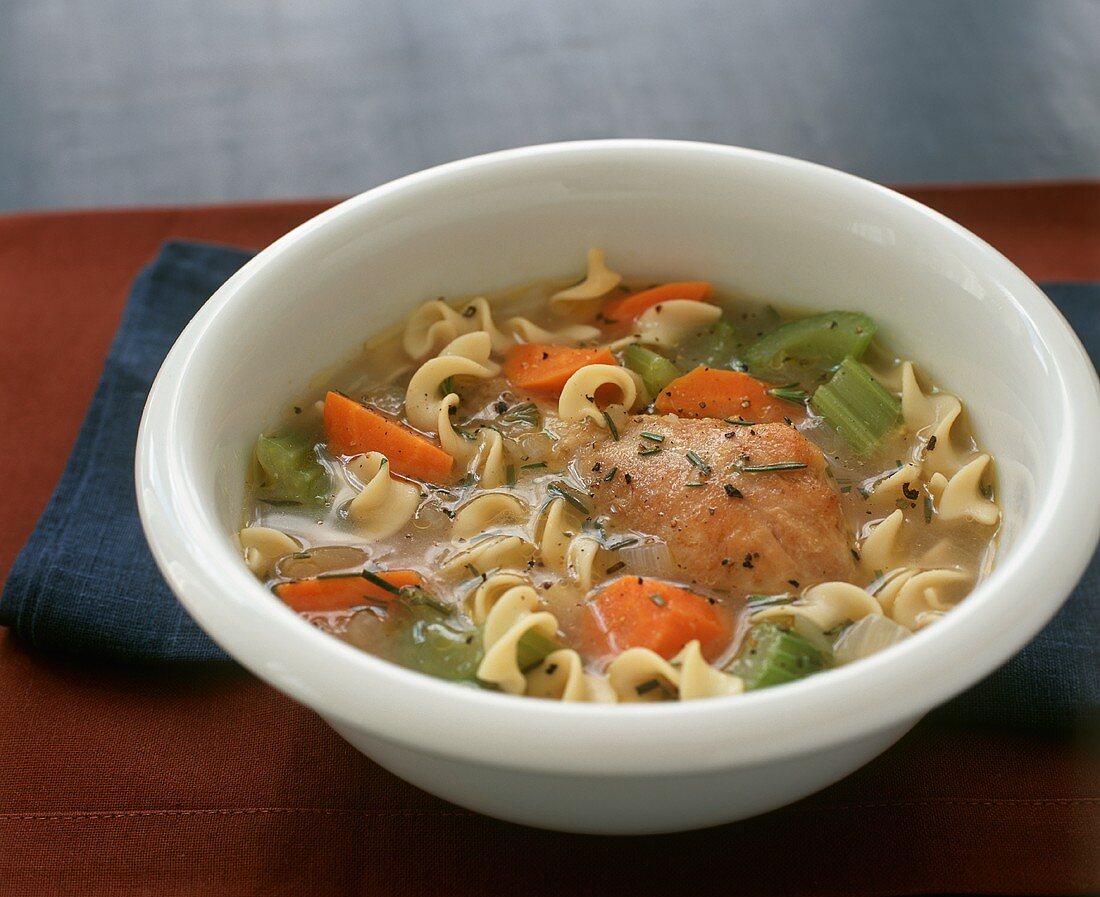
732	491
562	490
385	585
652	437
647	686
500	407
534	465
928	509
755	601
779	465
791	392
525	413
657	599
739	421
704	468
623	543
649	450
469	480
615	568
611	426
610	475
414	596
846	488
510	474
447	387
553	437
693	485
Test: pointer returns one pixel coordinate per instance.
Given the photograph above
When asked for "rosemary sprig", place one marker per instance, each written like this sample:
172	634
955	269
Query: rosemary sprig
779	465
611	426
755	601
562	490
704	468
790	392
527	413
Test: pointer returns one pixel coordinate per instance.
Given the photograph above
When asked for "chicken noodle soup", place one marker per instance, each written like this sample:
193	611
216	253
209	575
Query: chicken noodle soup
622	491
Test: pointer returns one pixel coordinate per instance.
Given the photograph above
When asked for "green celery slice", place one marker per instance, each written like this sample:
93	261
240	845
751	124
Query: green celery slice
532	648
290	471
771	655
857	406
822	340
655	370
431	640
715	347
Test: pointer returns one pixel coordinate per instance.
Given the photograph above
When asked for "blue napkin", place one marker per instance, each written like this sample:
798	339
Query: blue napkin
85	580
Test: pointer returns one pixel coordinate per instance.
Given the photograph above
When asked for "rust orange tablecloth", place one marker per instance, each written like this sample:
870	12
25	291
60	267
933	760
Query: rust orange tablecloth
183	780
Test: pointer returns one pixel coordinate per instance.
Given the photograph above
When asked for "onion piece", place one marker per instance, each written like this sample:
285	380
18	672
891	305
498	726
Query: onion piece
869	636
321	560
648	559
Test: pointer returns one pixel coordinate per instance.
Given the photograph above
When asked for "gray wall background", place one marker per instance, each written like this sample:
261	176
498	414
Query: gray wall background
121	102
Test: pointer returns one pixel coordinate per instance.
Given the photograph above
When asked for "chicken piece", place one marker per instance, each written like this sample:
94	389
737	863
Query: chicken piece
748	532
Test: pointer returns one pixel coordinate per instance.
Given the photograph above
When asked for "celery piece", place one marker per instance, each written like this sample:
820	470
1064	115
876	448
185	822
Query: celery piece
532	648
655	370
857	406
433	644
289	471
771	655
822	341
714	347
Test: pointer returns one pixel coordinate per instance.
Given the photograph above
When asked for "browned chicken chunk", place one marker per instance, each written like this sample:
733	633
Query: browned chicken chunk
742	530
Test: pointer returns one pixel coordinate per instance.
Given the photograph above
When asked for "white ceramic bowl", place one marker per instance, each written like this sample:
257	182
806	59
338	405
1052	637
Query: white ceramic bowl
763	224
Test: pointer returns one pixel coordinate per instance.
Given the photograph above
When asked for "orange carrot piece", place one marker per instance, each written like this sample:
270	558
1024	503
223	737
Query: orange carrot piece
629	307
342	592
352	429
543	370
636	612
709	392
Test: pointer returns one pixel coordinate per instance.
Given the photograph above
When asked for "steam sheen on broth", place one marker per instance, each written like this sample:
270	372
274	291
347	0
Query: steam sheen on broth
621	491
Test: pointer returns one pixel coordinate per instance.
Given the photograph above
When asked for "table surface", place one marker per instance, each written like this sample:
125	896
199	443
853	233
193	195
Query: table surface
202	779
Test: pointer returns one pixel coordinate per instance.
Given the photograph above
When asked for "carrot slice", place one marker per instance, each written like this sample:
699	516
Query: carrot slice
344	591
535	368
637	612
709	392
629	307
352	429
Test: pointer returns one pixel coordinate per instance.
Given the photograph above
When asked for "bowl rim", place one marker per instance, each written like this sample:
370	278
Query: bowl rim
889	689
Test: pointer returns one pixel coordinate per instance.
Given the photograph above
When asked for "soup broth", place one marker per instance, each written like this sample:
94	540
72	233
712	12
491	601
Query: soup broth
621	491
